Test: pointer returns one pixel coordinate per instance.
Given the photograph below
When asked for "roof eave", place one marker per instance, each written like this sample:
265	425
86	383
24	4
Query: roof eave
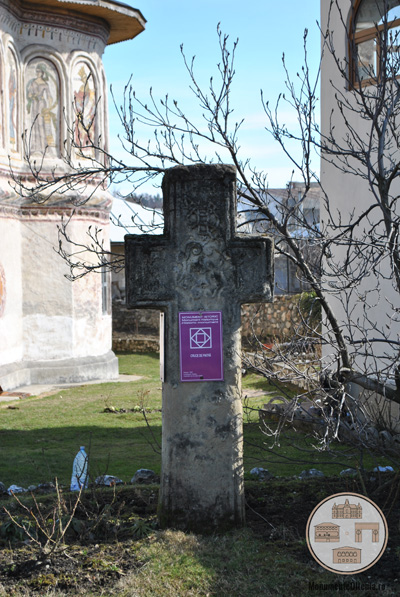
124	21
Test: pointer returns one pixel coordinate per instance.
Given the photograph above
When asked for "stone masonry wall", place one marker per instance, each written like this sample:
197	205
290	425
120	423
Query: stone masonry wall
269	321
138	329
142	322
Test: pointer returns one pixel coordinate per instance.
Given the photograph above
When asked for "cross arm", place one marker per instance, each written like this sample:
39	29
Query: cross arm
147	271
254	268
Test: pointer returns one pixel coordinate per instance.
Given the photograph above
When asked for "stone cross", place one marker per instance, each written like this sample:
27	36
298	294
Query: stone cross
198	273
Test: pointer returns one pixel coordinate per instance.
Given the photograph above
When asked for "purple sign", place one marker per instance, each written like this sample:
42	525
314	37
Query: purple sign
200	338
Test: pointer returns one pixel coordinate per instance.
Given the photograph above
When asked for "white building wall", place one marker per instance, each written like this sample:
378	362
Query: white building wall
92	333
51	329
47	294
371	306
11	346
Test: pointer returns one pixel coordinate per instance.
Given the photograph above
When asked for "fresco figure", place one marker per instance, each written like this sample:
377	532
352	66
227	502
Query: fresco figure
41	105
85	110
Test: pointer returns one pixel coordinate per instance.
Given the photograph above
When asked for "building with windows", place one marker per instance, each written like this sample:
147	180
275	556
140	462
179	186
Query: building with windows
304	224
54	96
360	115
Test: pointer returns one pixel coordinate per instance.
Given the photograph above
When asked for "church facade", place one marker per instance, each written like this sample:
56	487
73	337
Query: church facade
53	86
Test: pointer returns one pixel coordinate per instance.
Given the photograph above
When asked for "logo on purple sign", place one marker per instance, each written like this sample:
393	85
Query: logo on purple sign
200	338
201	349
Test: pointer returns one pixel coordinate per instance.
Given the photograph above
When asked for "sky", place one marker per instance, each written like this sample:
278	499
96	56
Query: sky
265	28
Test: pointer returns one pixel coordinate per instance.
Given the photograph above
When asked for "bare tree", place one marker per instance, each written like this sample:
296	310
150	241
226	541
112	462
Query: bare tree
358	351
360	246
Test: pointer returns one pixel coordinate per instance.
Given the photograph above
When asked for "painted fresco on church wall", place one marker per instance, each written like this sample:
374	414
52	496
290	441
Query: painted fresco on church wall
13	102
85	135
42	107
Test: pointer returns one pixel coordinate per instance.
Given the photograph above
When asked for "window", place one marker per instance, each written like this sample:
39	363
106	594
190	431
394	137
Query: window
376	40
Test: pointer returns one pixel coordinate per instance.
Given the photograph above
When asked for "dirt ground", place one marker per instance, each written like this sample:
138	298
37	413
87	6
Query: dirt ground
289	506
101	542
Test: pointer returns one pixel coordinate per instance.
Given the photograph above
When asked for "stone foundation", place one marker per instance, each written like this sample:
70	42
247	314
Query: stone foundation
140	322
104	367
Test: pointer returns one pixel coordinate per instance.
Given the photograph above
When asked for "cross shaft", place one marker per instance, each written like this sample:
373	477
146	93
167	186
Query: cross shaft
200	265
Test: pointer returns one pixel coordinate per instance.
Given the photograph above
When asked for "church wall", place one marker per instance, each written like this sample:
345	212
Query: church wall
91	301
51	329
47	294
10	291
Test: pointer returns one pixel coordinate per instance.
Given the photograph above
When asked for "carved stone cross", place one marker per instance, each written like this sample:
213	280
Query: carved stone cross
198	273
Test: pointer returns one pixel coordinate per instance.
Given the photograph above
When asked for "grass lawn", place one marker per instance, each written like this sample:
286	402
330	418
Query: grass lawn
39	437
113	545
39	440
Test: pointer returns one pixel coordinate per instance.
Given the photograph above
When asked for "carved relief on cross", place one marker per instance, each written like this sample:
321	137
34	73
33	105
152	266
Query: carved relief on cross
200	255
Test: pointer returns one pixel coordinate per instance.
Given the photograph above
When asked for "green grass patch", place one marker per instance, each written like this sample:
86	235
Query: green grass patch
238	563
40	438
253	381
295	451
